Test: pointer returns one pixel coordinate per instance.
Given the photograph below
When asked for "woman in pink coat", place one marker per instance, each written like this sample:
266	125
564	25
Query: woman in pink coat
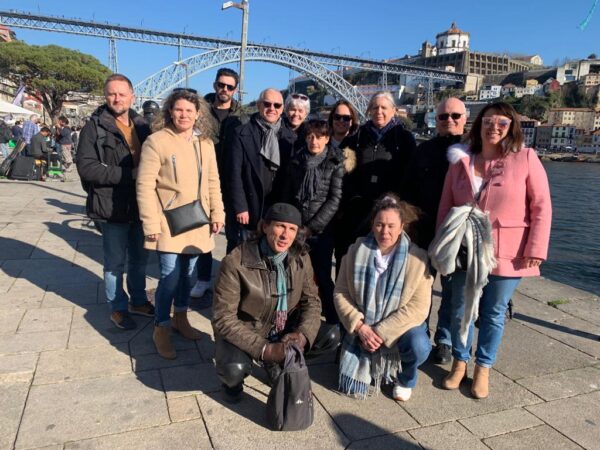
509	183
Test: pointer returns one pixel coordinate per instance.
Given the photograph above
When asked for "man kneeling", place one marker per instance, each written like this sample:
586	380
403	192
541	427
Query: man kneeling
266	299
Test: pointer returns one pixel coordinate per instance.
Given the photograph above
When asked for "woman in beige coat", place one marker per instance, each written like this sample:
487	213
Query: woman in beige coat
382	296
177	166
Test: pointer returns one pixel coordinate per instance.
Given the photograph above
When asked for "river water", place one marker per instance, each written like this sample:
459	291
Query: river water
574	256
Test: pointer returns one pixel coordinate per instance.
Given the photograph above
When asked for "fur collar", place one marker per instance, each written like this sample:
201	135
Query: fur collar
457	152
349	159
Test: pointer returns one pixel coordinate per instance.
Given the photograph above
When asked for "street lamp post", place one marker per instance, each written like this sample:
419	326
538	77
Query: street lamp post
187	76
244	6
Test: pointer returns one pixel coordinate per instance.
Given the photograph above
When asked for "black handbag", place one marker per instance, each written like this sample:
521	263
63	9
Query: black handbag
189	216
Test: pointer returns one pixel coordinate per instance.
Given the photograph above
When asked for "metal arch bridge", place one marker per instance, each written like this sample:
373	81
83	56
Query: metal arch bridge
158	84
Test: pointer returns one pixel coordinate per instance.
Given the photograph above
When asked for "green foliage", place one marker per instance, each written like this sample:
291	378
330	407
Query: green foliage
50	72
447	93
557	302
574	97
533	106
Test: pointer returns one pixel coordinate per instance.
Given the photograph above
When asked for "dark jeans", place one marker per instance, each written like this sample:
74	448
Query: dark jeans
442	331
204	266
321	256
234	365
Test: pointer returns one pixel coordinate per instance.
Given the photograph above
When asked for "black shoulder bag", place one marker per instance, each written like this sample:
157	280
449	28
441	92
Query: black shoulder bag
189	216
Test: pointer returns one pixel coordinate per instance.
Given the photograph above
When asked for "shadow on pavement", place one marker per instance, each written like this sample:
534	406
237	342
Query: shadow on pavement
555	326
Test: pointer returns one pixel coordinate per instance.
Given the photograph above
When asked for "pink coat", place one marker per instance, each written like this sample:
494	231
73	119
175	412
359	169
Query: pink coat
517	199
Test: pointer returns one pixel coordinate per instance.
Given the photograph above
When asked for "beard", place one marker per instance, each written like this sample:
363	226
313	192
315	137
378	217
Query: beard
223	97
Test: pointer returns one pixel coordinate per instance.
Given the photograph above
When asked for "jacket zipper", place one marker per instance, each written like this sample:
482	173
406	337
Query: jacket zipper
174	161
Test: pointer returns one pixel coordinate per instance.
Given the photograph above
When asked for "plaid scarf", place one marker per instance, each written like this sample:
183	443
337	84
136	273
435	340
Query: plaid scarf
376	300
277	261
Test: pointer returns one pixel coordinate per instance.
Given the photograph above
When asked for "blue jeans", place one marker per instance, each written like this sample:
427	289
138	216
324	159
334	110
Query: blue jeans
492	314
321	257
204	266
442	331
124	243
174	286
414	347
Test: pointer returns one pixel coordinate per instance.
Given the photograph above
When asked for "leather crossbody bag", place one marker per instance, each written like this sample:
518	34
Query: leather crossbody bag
189	216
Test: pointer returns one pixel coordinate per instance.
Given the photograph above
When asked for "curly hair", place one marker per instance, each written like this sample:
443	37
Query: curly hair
205	124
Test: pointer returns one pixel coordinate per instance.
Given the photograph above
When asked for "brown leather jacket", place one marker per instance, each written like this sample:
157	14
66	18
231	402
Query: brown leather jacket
245	300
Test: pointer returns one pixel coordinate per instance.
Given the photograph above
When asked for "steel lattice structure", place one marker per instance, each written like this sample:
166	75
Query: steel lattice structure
110	31
157	85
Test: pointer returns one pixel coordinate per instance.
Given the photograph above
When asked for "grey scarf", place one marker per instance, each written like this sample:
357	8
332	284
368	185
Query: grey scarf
313	175
269	146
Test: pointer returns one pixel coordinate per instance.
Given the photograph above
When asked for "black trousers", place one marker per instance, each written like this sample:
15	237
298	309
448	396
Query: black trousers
234	365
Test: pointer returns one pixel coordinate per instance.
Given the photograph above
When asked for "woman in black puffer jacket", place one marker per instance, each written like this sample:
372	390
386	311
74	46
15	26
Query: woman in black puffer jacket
314	185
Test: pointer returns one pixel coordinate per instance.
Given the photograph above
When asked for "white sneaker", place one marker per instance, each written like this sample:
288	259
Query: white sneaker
200	289
401	393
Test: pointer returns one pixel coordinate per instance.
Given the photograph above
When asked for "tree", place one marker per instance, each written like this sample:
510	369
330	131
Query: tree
50	72
449	92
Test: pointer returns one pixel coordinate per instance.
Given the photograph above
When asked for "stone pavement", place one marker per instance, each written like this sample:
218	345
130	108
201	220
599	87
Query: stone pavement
69	379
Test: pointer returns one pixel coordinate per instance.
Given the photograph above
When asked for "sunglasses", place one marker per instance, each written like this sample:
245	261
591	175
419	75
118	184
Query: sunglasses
503	124
342	117
271	104
225	86
193	91
445	116
300	96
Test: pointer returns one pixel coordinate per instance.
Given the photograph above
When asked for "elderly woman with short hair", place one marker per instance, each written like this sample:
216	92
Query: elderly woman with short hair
296	109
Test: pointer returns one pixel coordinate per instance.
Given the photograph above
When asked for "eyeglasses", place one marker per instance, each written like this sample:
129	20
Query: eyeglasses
271	104
226	86
300	96
445	116
503	124
342	117
192	91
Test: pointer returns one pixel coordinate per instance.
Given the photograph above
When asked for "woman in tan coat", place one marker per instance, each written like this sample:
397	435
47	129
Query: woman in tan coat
178	165
382	296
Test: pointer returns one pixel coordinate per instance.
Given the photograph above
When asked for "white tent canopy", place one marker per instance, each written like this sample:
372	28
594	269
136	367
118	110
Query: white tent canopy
9	108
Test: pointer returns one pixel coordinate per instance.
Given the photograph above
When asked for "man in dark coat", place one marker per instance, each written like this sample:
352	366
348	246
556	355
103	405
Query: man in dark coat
265	300
424	185
38	148
109	153
228	115
254	155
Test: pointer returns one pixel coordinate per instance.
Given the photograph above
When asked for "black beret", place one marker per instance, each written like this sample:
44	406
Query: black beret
284	212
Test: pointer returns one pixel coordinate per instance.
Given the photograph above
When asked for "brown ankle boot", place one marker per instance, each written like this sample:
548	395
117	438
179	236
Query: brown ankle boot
481	381
181	324
162	341
457	373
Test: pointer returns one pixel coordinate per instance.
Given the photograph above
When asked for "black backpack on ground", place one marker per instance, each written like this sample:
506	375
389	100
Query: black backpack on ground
290	402
24	168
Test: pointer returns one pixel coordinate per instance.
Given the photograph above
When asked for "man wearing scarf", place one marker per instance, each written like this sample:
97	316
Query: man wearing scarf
254	155
265	300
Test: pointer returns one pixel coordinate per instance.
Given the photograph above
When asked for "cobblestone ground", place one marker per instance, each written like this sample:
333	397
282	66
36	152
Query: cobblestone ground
69	379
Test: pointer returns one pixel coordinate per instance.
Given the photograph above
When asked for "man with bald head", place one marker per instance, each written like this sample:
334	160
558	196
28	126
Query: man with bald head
254	154
424	187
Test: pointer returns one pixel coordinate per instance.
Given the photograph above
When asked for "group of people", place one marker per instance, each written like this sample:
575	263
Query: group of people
294	190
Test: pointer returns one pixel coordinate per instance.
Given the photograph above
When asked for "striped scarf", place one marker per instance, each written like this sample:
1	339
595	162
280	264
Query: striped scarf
277	261
376	300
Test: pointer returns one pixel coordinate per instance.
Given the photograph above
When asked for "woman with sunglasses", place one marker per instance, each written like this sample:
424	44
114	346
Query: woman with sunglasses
297	109
178	166
343	122
509	184
314	185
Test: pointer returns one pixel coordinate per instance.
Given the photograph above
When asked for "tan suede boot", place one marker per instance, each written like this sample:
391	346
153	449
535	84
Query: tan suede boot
181	324
162	341
481	381
457	373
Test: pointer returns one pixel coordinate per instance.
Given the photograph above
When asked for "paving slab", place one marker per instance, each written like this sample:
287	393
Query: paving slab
546	290
578	418
564	384
10	320
142	344
33	342
586	309
48	319
93	337
183	408
58	295
75	364
81	409
396	441
155	361
358	419
18	297
17	368
190	380
538	438
12	399
447	436
244	426
542	354
501	422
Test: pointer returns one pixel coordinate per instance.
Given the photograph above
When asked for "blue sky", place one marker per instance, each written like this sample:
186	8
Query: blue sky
371	29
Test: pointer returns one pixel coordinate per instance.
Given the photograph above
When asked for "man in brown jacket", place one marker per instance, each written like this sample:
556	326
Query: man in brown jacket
266	299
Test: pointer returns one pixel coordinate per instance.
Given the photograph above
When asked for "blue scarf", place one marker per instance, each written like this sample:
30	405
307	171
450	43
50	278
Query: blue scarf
277	261
376	300
378	133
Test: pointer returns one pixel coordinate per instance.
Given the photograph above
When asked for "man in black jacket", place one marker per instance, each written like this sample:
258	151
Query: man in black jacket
424	185
228	115
107	158
254	155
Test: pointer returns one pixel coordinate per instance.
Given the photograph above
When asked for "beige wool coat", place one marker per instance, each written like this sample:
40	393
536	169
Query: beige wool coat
415	298
168	168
